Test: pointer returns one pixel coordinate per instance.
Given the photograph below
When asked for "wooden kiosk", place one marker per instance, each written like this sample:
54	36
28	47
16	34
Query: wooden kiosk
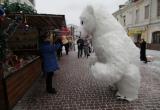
14	84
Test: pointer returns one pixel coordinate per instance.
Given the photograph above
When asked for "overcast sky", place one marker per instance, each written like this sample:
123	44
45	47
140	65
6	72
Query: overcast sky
73	8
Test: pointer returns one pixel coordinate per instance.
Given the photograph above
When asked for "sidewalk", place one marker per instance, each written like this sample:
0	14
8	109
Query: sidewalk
153	53
78	90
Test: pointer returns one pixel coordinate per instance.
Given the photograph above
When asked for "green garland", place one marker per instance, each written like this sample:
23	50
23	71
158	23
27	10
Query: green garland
12	8
18	7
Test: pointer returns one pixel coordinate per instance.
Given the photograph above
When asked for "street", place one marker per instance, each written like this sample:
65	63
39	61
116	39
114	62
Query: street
78	90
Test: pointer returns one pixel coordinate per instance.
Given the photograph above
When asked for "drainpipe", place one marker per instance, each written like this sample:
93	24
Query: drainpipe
150	17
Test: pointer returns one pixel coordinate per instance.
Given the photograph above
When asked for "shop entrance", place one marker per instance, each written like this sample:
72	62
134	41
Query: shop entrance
138	37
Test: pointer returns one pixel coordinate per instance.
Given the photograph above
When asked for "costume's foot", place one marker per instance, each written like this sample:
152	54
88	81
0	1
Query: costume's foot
121	97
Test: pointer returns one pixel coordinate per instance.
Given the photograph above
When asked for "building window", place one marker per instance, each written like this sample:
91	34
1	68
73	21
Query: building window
156	37
137	16
146	16
158	7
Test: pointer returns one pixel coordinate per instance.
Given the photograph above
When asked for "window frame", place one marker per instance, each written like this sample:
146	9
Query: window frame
146	13
156	37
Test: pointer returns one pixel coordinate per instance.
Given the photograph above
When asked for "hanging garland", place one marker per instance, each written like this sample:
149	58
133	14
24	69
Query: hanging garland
11	8
18	8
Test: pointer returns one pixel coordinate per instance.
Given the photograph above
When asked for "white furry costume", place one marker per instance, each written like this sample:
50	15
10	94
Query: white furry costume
115	52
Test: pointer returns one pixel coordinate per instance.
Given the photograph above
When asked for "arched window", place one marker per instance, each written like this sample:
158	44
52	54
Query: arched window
156	37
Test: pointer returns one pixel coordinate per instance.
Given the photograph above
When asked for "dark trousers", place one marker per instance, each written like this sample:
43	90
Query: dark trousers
80	52
49	76
66	48
59	53
143	55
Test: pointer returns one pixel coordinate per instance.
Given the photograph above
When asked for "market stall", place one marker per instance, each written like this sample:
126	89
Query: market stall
22	64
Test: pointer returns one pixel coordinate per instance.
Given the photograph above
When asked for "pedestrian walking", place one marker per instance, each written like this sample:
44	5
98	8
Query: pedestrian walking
143	51
50	65
86	48
59	50
66	48
80	43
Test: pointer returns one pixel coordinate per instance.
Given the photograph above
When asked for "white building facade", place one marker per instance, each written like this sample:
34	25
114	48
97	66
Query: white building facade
141	19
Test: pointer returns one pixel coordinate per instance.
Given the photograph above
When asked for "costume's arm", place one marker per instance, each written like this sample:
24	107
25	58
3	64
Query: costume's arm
92	60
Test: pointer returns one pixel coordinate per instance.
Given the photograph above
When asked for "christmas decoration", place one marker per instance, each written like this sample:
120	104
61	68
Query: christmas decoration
2	14
2	35
64	31
18	8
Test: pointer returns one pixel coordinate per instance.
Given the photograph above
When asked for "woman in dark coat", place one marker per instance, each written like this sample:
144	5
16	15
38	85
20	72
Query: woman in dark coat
48	55
143	51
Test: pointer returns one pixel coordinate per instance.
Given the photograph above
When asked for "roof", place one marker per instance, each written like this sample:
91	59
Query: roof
43	20
127	6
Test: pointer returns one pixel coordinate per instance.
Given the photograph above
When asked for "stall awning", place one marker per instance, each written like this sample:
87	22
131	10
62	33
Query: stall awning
42	20
135	31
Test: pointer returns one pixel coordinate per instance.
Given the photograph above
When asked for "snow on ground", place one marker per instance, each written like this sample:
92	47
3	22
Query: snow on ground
154	65
154	53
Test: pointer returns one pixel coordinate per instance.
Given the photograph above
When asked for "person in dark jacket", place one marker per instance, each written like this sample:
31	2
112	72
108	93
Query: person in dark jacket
143	51
59	50
80	43
48	55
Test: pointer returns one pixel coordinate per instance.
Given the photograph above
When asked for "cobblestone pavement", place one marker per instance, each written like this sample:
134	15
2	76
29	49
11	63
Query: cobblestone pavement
78	90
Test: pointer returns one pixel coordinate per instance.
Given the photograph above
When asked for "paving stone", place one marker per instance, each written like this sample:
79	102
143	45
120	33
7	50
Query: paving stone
77	89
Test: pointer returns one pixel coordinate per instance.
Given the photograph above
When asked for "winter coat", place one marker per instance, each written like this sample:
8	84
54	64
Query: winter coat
80	43
143	51
48	55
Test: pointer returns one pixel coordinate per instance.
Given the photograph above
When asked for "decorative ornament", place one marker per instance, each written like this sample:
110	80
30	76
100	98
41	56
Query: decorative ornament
2	14
26	26
64	30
